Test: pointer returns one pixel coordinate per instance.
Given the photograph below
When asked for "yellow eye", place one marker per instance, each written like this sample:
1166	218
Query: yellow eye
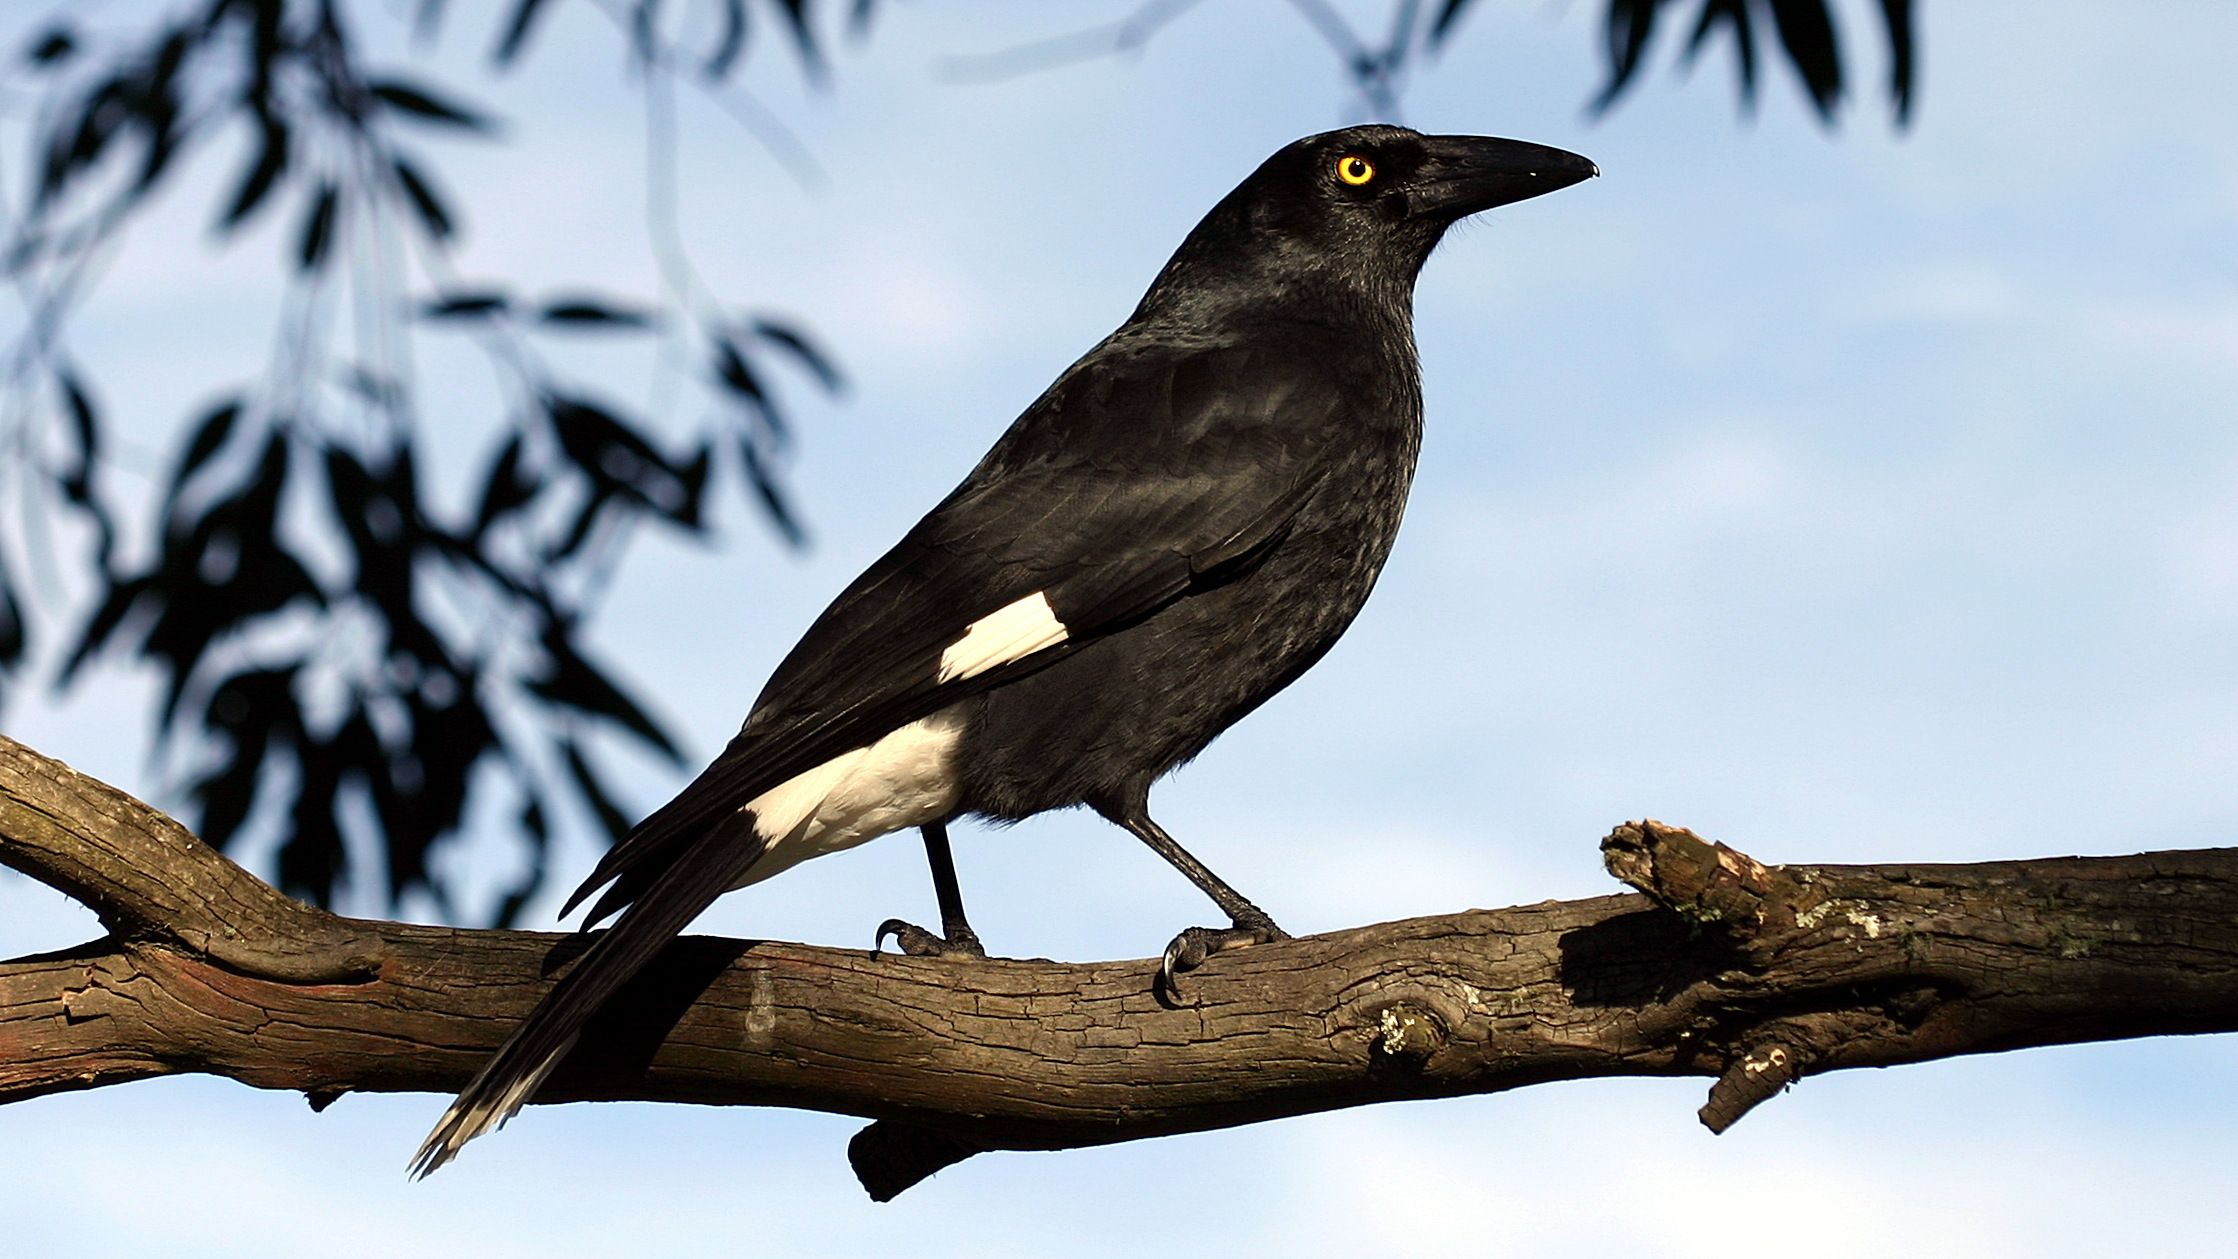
1355	169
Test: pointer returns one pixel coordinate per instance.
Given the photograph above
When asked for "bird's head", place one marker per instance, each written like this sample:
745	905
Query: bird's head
1367	202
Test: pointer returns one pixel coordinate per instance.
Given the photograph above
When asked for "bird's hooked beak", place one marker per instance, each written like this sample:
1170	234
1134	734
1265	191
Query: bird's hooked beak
1461	175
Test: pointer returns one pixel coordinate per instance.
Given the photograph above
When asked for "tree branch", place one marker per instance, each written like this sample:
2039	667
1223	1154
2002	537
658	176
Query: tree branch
1752	975
147	877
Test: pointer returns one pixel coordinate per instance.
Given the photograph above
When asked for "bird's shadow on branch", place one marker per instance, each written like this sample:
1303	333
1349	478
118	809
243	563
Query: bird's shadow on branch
619	1042
1639	959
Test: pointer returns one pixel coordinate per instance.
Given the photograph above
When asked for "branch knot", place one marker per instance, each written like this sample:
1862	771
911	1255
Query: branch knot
1405	1036
1706	883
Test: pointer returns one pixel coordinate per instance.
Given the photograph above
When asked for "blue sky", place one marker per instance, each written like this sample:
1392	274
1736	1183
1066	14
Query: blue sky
1865	497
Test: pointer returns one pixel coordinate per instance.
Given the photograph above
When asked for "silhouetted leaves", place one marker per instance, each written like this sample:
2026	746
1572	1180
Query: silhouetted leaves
537	826
508	487
1631	23
765	428
804	37
289	704
620	464
420	103
116	603
423	796
378	510
208	437
1731	15
770	494
13	633
76	477
611	818
570	680
227	567
263	174
51	47
83	426
1896	17
1441	26
517	30
804	351
157	107
318	227
1807	30
642	37
692	474
416	727
583	312
312	854
465	306
249	710
72	149
729	43
139	97
434	216
731	369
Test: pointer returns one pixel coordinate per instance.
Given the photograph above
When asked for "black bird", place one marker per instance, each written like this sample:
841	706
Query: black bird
1187	519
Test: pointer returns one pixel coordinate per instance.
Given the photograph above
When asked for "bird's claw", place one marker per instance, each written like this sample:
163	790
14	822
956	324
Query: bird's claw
1189	949
918	942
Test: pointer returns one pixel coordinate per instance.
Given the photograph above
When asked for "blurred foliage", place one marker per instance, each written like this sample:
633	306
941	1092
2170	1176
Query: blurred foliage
324	632
1806	30
345	661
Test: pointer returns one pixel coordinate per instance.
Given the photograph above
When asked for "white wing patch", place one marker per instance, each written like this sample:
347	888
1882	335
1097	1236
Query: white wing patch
1009	633
905	779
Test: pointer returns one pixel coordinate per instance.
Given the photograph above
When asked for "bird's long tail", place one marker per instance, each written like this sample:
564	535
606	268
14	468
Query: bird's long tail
701	872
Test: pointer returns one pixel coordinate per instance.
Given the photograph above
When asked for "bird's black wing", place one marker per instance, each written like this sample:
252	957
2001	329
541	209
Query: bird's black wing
1135	478
1140	474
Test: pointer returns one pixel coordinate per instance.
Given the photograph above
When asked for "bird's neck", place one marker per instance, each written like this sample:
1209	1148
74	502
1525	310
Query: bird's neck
1206	293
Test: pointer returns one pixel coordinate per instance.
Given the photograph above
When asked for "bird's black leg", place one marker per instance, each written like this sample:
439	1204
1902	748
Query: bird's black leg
956	935
1249	923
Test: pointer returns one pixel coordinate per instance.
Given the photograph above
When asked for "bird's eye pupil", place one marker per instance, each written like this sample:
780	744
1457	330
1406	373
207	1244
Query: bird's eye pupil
1355	170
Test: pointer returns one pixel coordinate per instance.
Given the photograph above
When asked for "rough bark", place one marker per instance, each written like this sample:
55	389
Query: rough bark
1719	966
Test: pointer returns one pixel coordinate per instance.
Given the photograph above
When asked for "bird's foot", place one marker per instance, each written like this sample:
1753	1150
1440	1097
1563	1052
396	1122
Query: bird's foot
1189	949
918	942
